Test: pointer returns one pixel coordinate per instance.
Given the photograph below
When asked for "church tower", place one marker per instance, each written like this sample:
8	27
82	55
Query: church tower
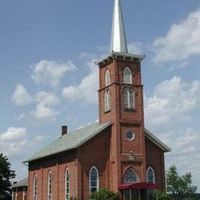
121	104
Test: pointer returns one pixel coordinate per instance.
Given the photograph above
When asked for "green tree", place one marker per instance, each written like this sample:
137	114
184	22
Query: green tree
179	187
104	194
6	174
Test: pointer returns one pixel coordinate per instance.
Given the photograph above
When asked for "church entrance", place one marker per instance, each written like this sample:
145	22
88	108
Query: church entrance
135	194
137	191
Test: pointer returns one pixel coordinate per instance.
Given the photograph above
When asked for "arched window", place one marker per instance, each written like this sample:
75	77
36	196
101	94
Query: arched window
150	175
130	176
35	187
67	185
93	179
127	76
49	186
129	98
107	78
107	101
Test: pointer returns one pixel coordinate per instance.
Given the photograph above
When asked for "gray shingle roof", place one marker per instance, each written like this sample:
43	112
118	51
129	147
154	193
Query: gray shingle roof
78	137
69	141
156	141
22	183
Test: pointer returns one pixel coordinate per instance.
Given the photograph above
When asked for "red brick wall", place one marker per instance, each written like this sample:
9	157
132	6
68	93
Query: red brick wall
94	153
155	159
57	165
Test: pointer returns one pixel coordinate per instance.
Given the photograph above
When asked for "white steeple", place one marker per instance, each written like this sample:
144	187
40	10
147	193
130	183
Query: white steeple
118	37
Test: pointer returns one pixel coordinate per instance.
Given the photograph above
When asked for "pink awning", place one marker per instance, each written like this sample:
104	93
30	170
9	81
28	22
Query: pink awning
142	185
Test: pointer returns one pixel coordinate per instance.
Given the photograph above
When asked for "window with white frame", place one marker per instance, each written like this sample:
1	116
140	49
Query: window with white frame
107	100
107	78
127	76
150	174
130	176
35	187
93	179
49	186
67	185
128	98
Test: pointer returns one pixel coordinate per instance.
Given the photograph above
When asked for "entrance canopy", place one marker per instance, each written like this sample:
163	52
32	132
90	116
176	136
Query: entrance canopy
142	185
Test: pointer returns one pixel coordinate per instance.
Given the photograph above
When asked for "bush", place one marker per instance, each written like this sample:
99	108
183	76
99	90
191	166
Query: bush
104	194
158	195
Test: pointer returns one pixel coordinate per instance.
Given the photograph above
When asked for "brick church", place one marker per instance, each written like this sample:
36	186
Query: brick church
117	152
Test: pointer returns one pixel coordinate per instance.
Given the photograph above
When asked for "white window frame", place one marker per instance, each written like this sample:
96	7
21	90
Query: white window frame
147	175
107	78
97	172
135	174
67	184
107	101
127	76
128	98
49	185
35	187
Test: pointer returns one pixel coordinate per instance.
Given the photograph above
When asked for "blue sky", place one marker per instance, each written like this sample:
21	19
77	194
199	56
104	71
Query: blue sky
48	77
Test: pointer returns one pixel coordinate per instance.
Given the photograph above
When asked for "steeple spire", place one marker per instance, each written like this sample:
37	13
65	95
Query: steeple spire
118	37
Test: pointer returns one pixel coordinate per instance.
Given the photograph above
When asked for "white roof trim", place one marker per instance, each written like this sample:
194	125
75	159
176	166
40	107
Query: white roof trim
156	141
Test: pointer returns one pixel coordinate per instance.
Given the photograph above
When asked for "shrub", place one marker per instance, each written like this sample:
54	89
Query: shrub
104	194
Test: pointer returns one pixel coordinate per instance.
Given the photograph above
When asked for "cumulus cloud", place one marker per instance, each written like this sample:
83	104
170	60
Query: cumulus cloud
87	89
47	98
49	72
135	47
13	133
20	96
181	42
172	99
45	108
45	113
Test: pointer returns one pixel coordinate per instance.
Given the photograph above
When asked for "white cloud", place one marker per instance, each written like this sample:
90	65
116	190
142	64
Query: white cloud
47	98
181	42
49	72
87	89
45	108
13	133
43	112
172	100
135	48
20	96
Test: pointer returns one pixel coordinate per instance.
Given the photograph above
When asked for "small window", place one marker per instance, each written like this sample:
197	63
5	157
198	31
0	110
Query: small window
67	185
107	101
130	135
130	176
128	98
150	175
93	180
35	188
127	76
107	78
49	186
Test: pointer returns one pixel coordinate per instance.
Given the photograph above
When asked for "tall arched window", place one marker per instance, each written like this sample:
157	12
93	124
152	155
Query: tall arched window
49	186
35	187
128	98
67	185
150	174
93	179
130	176
127	75
107	78
107	101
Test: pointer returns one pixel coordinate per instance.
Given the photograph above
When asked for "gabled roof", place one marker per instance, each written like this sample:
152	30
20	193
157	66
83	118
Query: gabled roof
156	141
70	141
78	137
22	183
